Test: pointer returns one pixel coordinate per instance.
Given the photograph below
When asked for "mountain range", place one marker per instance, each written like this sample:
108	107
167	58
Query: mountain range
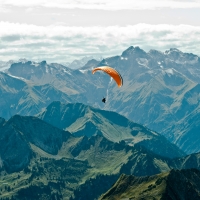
82	120
59	141
40	157
19	133
160	91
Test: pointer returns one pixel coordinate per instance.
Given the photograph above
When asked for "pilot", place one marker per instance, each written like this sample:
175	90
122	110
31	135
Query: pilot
104	100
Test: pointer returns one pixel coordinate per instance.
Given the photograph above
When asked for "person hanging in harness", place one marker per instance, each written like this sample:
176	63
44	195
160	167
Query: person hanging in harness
104	100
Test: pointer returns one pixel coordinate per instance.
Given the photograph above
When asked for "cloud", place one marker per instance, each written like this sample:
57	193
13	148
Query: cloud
106	4
64	44
4	9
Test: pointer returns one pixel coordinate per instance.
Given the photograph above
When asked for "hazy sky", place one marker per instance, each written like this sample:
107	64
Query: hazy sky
64	30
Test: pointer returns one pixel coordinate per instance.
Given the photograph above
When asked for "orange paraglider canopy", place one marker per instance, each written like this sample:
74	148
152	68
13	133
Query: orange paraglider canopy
111	72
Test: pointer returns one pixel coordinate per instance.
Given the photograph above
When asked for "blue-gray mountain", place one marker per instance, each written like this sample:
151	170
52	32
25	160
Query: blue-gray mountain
161	90
6	65
19	96
76	64
82	120
17	135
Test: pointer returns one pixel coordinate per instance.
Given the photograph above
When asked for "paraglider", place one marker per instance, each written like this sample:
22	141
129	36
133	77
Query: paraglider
111	72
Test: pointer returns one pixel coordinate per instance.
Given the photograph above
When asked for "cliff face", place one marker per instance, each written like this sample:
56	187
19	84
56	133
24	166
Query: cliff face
15	152
176	184
184	184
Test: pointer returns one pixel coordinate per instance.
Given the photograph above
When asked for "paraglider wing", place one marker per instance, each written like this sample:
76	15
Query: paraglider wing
111	72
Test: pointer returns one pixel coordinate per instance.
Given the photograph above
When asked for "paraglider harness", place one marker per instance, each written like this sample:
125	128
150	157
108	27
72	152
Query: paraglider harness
104	100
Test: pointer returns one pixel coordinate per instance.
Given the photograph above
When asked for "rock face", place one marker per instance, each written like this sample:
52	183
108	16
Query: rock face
83	120
15	153
183	184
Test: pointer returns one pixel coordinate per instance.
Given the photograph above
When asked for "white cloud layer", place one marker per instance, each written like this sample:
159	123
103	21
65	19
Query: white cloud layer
64	44
104	4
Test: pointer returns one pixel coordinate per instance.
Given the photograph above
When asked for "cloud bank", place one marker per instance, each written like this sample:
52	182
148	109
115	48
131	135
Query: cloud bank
64	44
104	4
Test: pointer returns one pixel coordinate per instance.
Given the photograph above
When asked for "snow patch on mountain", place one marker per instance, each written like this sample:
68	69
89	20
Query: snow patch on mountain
17	77
123	58
143	62
83	71
66	71
35	64
169	71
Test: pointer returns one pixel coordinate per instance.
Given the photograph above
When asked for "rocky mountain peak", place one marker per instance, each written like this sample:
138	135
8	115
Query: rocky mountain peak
133	51
43	63
173	50
90	64
62	115
14	119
